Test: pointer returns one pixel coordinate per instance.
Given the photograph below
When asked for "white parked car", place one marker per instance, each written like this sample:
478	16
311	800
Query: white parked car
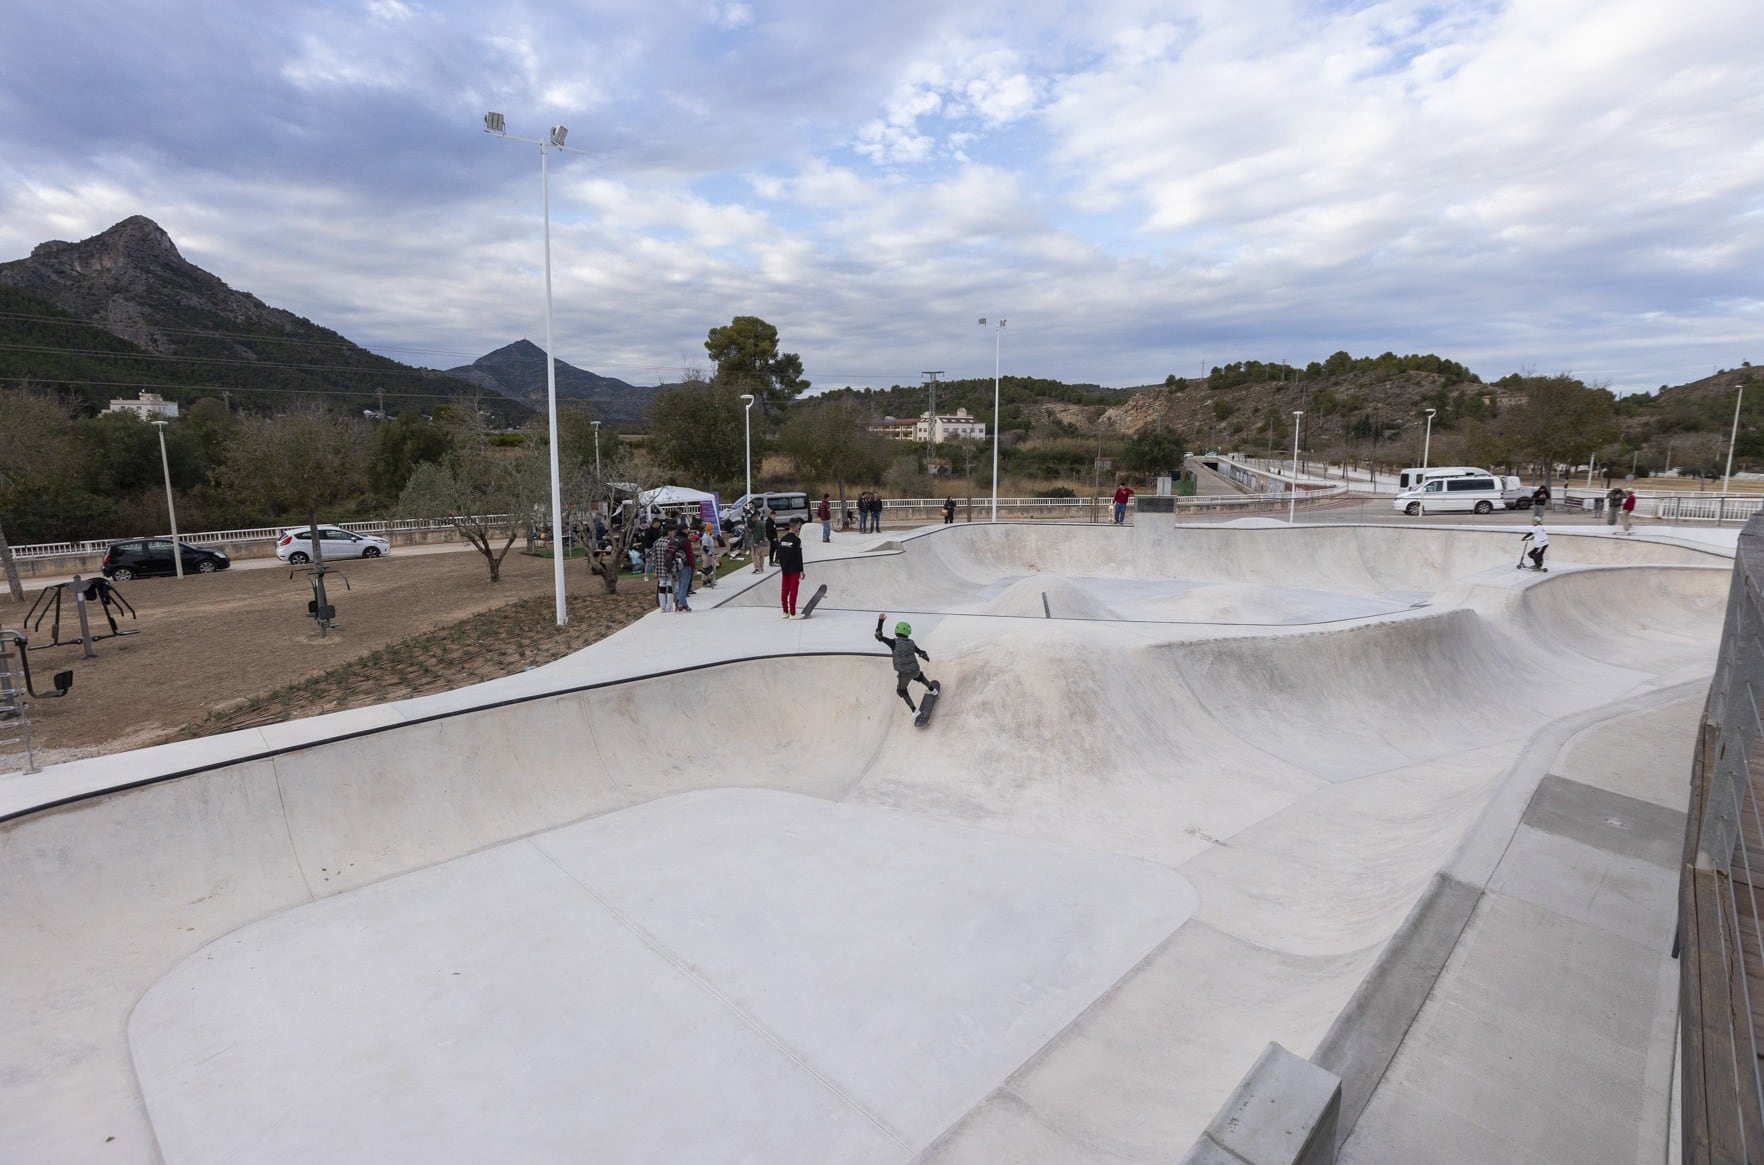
295	544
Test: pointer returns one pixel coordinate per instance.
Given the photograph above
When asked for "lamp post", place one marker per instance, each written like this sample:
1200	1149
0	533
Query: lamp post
596	426
493	124
747	418
1427	442
1292	500
997	343
170	509
1734	436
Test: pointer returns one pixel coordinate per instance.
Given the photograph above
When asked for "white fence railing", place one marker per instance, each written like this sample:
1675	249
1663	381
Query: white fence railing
230	537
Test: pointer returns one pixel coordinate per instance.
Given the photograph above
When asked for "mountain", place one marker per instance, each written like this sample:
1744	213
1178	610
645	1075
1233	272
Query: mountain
123	312
517	371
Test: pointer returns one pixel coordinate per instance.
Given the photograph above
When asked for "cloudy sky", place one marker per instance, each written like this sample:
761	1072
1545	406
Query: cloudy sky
1139	188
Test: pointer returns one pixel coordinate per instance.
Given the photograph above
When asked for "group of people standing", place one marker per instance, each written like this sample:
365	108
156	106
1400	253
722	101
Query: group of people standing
1620	507
869	513
672	556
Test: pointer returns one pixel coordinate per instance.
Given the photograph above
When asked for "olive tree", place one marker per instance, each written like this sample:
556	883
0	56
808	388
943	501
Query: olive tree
488	493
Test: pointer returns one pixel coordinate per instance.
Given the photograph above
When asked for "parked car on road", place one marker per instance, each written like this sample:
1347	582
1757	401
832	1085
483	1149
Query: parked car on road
295	544
144	557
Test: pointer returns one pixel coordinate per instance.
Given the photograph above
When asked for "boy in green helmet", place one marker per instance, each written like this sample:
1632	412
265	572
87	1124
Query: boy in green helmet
906	659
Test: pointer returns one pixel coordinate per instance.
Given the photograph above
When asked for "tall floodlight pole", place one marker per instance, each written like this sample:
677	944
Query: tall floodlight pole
596	425
172	510
747	418
1427	443
1734	436
1292	501
493	124
997	342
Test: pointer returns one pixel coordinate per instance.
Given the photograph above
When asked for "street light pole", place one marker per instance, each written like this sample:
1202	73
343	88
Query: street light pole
596	425
747	419
170	509
494	124
1292	500
997	343
1427	444
1734	436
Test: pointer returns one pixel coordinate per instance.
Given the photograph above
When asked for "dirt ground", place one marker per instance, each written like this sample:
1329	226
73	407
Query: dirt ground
228	650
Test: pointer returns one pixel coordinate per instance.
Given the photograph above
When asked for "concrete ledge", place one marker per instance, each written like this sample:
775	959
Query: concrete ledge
1284	1112
1365	1036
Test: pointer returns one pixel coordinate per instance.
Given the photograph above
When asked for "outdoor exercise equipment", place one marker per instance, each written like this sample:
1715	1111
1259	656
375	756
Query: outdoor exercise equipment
47	605
15	667
319	606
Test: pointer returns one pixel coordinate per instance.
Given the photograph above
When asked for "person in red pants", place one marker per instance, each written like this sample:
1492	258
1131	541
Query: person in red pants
790	562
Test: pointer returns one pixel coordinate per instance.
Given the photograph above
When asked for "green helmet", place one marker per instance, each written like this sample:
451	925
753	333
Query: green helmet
903	628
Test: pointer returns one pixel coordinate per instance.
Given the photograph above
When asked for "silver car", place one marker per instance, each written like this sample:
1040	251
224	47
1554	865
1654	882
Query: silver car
295	544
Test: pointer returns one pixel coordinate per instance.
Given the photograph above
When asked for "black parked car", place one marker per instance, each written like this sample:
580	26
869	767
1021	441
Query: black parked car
141	557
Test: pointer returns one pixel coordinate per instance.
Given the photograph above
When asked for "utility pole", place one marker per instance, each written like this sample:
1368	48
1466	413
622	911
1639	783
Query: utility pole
931	422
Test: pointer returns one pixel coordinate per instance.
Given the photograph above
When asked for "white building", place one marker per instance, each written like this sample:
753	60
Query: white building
149	406
956	426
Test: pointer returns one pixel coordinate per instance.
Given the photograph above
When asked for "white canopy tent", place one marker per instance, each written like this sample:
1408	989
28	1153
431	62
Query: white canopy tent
673	495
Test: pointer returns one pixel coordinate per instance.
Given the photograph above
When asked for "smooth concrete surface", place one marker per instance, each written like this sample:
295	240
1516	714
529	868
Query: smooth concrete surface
1059	925
1550	1033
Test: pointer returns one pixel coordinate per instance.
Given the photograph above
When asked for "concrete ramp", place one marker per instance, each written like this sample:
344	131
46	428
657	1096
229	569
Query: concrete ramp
704	893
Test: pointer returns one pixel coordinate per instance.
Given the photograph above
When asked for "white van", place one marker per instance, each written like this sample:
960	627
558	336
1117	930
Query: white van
1478	494
1414	478
784	506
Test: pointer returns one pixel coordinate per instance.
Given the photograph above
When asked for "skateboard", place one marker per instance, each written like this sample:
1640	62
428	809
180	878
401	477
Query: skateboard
925	706
820	593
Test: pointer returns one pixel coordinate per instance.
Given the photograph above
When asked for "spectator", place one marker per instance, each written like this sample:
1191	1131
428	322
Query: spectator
948	509
1540	497
789	551
659	562
863	507
756	539
824	514
1123	494
1626	510
771	538
685	561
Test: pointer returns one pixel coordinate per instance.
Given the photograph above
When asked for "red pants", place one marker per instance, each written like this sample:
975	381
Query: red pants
787	596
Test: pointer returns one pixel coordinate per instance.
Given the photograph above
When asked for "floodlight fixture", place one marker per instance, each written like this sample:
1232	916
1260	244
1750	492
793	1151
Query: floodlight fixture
493	123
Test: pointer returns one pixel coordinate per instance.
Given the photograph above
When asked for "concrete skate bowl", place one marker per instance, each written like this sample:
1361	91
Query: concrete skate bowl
746	911
1200	574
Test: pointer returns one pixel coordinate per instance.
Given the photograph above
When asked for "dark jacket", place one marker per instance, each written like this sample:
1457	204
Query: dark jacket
906	653
790	553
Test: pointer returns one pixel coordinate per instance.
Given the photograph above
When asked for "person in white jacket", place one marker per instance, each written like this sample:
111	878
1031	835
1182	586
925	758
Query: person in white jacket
1540	542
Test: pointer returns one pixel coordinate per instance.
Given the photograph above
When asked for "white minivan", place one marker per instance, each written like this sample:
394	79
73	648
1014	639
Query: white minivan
1478	494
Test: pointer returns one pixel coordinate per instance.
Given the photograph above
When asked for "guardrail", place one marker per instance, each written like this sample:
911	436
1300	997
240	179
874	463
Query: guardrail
1721	884
230	537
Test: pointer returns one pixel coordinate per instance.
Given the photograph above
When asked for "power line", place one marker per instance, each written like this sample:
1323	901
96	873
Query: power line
262	390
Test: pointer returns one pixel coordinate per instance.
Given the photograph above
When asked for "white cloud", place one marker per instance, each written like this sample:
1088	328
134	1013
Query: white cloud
1135	183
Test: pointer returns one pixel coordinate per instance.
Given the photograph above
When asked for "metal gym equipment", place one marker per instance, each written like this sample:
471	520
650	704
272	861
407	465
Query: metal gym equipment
100	590
15	669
